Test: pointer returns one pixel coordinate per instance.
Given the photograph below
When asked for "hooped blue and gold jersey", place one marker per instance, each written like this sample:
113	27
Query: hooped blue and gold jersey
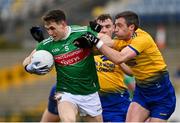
110	75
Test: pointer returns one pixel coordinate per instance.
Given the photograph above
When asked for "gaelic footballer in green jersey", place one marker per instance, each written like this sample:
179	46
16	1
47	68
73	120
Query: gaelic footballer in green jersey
77	82
76	71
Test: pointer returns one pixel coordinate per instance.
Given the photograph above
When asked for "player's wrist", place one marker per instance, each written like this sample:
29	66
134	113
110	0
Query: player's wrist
99	44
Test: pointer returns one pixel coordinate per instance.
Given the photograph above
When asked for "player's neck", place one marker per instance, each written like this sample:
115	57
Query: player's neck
67	32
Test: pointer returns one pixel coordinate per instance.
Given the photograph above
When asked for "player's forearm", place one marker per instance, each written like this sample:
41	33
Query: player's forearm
113	55
126	69
27	60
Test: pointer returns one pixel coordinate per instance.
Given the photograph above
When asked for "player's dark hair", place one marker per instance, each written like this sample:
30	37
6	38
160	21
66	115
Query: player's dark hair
104	17
54	15
130	17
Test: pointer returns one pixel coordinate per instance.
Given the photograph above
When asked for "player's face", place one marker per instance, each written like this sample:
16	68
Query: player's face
122	31
107	26
56	30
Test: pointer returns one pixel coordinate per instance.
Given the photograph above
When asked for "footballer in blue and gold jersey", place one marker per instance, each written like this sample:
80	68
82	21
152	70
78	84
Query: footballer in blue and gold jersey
113	92
154	95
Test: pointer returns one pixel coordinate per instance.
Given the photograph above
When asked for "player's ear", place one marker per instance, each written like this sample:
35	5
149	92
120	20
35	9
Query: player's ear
132	27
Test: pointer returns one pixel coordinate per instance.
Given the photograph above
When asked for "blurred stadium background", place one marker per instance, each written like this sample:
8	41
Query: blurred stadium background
23	97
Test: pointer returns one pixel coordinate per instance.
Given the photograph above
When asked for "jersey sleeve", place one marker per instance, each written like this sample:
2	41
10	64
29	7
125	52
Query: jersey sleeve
91	31
82	29
44	44
139	44
118	44
39	46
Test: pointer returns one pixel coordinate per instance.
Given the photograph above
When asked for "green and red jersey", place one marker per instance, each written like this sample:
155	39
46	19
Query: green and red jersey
75	67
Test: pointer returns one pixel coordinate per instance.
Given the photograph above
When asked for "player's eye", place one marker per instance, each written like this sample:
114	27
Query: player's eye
52	28
108	26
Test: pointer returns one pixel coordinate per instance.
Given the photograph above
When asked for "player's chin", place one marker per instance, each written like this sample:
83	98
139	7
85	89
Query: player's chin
56	39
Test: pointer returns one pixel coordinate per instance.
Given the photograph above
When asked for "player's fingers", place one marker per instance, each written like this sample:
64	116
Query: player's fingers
42	67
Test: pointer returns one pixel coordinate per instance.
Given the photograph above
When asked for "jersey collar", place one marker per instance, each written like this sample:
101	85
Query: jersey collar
68	33
134	35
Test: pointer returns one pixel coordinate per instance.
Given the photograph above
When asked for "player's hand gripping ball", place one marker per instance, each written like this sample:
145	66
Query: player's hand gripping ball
44	60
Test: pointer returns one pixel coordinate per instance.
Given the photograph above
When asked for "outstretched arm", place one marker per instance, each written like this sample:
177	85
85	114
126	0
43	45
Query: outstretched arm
116	56
113	55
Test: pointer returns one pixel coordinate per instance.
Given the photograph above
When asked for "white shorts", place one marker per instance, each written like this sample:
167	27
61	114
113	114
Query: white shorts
86	104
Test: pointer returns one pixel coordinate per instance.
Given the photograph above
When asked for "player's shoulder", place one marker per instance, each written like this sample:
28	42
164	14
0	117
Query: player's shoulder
77	28
141	33
47	41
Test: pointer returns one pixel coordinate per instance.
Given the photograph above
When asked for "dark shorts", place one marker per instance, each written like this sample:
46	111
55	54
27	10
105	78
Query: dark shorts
158	98
52	104
115	106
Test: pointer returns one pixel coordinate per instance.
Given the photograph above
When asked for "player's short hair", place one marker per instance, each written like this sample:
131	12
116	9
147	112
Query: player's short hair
104	17
54	16
130	17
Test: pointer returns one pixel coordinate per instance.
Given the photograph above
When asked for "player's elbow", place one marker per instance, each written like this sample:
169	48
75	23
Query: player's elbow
117	61
120	58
